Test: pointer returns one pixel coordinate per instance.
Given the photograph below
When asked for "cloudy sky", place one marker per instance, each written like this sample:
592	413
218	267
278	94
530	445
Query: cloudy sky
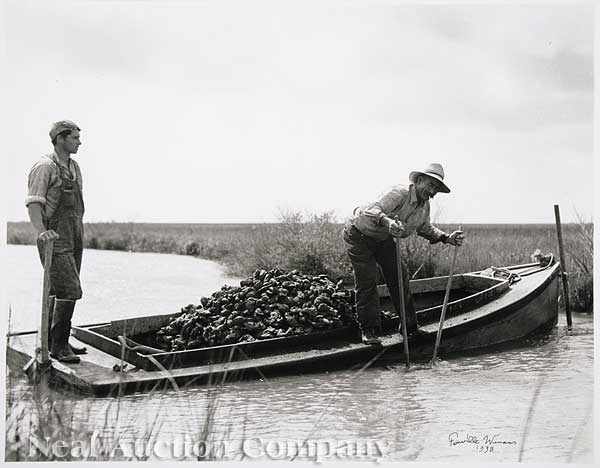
221	111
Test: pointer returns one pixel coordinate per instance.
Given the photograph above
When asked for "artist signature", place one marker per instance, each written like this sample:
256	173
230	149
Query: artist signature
482	442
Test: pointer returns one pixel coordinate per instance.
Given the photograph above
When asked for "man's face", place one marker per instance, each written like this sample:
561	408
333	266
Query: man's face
426	188
70	143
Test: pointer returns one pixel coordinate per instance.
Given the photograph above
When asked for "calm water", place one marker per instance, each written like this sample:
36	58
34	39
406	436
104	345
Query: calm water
534	403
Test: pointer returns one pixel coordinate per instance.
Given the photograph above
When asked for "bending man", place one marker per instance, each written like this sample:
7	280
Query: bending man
369	237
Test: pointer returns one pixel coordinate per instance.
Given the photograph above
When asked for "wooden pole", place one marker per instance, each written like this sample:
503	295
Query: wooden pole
43	331
438	338
402	305
563	267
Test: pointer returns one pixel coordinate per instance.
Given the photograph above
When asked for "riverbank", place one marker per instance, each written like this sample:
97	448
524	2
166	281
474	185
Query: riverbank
313	245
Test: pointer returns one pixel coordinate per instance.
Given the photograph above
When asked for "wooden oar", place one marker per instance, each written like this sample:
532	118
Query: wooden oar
438	338
402	305
36	367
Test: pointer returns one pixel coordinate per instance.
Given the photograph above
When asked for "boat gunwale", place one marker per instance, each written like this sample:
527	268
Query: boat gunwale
132	357
498	288
515	306
182	357
185	373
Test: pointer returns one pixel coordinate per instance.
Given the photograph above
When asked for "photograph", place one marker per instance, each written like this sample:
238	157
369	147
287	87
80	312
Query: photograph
311	232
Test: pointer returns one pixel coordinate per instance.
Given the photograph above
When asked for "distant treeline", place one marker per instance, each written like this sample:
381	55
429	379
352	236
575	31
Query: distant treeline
313	245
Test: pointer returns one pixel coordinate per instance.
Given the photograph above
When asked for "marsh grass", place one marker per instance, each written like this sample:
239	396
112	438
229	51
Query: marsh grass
43	424
312	243
115	430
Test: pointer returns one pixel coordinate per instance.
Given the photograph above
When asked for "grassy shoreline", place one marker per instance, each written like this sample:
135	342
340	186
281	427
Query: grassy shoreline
313	245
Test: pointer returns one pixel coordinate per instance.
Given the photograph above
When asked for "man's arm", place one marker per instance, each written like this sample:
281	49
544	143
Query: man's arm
387	203
37	187
36	218
432	233
435	235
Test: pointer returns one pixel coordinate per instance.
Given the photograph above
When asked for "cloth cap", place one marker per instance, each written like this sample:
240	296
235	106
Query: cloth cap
435	171
61	126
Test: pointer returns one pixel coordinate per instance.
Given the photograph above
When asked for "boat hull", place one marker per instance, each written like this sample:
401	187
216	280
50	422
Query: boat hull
536	314
515	312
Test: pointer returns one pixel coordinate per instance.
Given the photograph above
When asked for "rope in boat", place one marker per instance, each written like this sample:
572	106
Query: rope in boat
506	274
511	276
535	270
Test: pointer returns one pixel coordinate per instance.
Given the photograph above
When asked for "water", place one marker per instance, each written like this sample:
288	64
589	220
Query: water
115	284
532	404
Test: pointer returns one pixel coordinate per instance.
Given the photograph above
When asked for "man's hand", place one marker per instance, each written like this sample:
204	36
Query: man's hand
48	235
35	215
456	238
395	228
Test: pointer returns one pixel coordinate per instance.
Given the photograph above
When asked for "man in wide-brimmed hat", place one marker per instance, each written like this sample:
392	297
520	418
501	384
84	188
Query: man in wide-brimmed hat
369	237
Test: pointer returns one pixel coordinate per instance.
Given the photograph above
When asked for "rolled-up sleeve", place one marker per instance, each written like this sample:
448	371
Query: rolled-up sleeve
387	203
37	184
429	231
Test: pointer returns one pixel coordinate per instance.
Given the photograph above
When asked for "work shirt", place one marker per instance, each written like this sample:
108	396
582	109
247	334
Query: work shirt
400	204
44	183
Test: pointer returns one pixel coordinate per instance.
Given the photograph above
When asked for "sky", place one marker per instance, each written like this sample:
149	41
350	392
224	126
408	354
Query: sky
223	111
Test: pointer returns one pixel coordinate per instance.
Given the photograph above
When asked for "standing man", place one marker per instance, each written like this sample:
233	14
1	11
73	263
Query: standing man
369	237
55	205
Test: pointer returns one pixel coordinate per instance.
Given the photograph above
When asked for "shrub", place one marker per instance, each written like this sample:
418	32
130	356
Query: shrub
312	243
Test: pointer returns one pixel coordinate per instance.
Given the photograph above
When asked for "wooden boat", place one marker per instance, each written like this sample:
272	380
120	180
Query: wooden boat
486	308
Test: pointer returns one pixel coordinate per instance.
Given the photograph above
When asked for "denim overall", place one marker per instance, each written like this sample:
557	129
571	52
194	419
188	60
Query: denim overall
67	221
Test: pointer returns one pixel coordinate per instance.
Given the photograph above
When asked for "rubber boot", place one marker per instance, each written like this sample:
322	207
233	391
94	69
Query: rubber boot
412	326
76	349
60	350
368	335
414	331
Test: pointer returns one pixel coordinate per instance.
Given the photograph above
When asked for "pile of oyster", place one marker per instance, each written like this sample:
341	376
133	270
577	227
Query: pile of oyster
268	304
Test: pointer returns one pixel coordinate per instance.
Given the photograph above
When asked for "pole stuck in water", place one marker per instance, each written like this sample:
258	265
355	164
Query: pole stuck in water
402	305
438	337
563	268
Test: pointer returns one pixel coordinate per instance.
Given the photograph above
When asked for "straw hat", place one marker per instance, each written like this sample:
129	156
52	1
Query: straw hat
435	171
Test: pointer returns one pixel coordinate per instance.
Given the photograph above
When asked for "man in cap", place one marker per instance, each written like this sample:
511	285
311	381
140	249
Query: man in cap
55	205
369	237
